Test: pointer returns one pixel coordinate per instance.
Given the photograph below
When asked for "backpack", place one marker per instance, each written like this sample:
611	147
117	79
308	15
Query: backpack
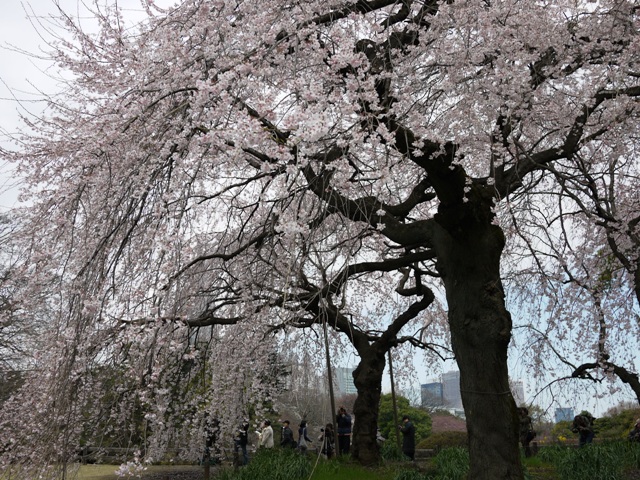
581	422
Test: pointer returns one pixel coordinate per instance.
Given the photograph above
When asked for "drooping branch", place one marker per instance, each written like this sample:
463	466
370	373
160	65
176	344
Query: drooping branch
625	376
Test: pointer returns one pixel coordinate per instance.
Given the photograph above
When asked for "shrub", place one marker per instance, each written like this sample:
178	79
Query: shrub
336	469
409	475
421	419
552	453
452	464
604	462
441	440
561	433
616	427
391	452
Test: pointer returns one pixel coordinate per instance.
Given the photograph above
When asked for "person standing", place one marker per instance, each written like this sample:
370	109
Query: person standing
408	437
327	438
287	440
266	435
303	439
343	421
583	426
634	435
526	430
241	440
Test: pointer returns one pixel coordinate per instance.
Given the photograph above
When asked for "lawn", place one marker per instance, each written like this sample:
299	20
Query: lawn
345	471
108	472
101	472
324	471
613	461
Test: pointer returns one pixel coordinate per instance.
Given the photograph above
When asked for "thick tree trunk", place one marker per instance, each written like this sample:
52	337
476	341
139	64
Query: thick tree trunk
480	333
367	378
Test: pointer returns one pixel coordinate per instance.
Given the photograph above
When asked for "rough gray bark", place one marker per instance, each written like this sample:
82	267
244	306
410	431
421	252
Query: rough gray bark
368	379
469	262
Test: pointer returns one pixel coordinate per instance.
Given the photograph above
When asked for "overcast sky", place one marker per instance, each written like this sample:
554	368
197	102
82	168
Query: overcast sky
21	75
15	71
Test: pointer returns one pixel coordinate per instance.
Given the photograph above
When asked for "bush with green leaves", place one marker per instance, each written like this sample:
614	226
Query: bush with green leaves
392	452
606	461
409	475
561	432
552	453
451	464
617	427
610	428
595	461
420	418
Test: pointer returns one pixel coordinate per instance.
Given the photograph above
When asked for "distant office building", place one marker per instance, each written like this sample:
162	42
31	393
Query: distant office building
517	390
564	414
451	389
432	394
344	380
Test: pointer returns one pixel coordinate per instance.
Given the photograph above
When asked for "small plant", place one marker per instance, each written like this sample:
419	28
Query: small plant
391	452
552	453
346	470
594	461
409	475
272	464
634	452
452	464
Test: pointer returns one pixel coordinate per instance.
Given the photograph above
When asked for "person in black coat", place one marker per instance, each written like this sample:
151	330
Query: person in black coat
583	426
408	437
240	442
634	435
343	421
328	439
303	438
287	440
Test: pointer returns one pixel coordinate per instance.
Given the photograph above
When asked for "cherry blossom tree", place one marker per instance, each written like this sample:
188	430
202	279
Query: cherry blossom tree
610	274
18	336
585	262
298	164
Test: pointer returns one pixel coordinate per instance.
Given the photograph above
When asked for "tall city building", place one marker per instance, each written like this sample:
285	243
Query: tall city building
564	414
517	390
344	380
432	394
451	389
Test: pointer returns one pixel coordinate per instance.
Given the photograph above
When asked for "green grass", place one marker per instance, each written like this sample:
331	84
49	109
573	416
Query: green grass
452	463
101	472
605	461
107	472
332	470
104	472
610	461
273	464
289	465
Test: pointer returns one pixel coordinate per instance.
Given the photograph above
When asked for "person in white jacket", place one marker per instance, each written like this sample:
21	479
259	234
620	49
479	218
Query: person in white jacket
266	436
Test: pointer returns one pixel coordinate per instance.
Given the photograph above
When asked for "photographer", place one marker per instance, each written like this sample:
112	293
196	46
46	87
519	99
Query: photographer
241	440
343	421
408	437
